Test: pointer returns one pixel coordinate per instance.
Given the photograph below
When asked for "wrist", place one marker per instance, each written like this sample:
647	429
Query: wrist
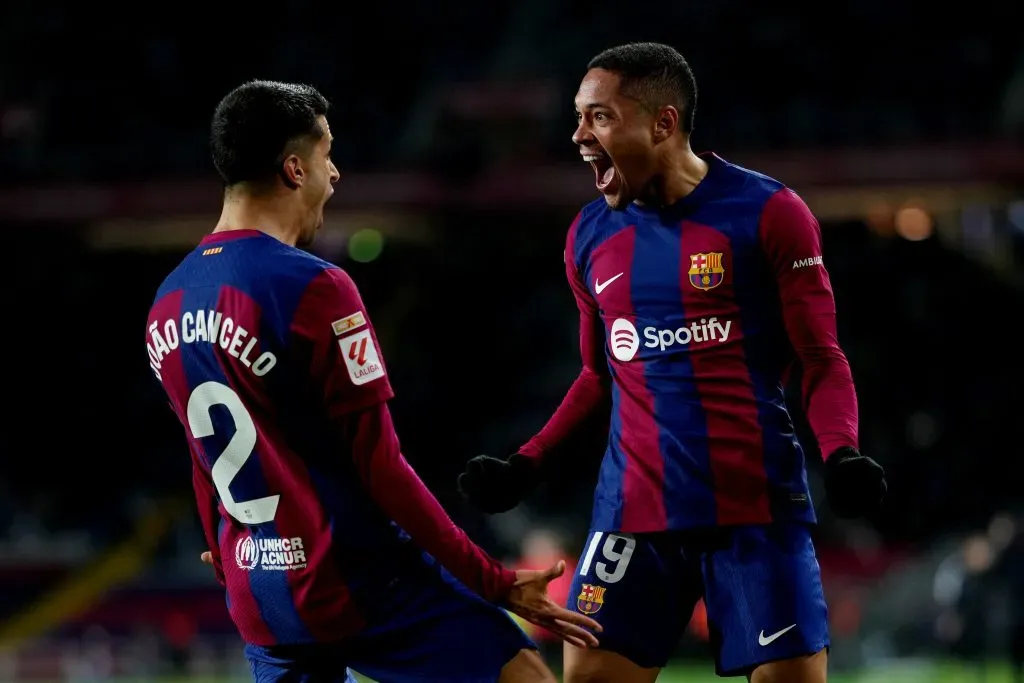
532	451
507	581
524	461
841	453
525	470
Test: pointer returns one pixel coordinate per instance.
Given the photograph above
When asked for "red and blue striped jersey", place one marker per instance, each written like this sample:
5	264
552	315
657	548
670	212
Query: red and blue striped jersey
271	363
691	317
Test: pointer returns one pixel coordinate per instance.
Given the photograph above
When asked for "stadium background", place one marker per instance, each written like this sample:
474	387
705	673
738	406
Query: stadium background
903	129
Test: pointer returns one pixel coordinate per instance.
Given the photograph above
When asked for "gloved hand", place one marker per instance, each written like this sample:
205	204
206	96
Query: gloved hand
493	485
854	483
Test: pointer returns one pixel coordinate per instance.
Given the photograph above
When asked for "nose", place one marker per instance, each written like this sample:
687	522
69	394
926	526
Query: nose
335	174
583	134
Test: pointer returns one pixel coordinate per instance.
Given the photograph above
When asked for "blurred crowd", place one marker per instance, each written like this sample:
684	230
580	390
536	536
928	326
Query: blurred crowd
444	82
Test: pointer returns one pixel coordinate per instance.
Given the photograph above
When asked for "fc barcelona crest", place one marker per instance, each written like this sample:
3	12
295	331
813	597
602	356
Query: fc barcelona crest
706	270
591	598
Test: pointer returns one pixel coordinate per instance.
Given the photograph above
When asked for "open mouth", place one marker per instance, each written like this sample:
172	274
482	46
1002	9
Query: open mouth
604	170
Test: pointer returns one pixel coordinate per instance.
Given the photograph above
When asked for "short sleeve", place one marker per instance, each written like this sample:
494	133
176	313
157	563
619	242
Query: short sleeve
332	325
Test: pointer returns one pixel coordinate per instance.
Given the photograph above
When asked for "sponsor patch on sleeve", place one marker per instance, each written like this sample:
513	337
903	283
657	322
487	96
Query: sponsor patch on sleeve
361	358
809	261
348	323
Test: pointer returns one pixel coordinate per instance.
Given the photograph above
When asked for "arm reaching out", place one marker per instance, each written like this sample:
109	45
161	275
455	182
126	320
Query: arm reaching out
495	485
337	338
591	388
397	489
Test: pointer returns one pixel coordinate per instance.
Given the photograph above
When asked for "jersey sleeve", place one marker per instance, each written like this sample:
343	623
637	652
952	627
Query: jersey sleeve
337	339
591	325
333	327
590	391
791	238
400	493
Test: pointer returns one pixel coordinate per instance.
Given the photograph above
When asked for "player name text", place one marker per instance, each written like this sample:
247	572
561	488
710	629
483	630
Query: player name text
208	327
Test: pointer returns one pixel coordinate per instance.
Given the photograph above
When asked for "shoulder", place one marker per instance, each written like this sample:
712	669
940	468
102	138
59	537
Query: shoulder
585	228
767	202
289	259
284	269
175	281
288	283
590	216
323	290
757	187
326	299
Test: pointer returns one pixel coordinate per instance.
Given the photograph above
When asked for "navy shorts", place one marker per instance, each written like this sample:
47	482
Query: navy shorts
438	631
761	586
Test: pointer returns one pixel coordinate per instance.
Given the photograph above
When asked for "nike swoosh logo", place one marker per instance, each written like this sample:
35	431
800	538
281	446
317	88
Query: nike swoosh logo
600	286
765	641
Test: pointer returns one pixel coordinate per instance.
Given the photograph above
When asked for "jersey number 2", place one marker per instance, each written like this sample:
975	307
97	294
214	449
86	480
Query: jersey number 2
229	463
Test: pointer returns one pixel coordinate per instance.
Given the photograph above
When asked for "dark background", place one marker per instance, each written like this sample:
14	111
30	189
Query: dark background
902	127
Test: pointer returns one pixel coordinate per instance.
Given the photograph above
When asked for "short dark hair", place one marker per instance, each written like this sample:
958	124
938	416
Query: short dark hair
258	124
654	75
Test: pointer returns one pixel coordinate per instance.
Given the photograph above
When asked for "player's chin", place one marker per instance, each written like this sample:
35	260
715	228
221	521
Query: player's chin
618	200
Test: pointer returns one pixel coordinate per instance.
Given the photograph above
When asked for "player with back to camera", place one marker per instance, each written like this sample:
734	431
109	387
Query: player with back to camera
333	553
698	284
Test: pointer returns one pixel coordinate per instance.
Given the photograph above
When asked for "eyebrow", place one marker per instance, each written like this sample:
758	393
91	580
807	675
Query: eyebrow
590	106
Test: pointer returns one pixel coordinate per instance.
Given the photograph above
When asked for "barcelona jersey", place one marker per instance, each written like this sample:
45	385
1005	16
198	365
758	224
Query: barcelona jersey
691	317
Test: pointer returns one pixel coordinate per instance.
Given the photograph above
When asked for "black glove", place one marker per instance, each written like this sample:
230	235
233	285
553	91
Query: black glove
493	485
854	483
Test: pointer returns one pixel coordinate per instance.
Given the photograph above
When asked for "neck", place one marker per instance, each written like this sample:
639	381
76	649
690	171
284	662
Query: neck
268	214
683	171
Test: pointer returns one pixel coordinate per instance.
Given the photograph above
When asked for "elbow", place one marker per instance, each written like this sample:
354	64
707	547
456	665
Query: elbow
825	367
600	380
824	356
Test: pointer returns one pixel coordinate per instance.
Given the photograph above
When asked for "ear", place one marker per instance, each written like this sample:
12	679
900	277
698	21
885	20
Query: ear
292	172
666	123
